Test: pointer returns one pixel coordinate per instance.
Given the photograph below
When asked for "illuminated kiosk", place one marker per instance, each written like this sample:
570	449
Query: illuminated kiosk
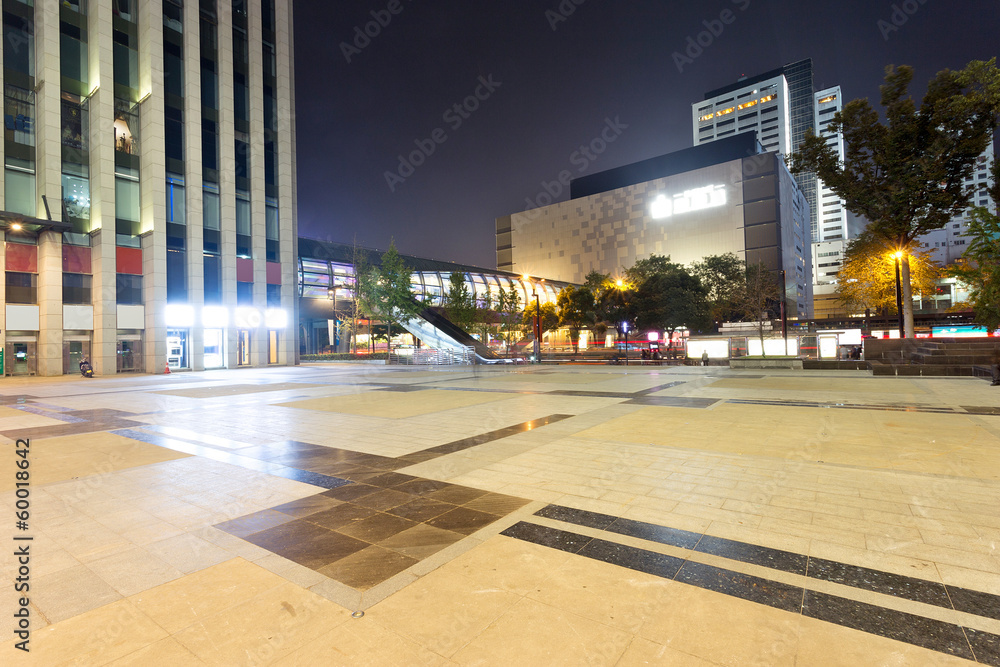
725	196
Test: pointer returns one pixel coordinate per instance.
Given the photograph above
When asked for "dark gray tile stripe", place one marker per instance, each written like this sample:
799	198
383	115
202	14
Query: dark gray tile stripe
909	628
878	581
674	401
844	406
898	625
483	438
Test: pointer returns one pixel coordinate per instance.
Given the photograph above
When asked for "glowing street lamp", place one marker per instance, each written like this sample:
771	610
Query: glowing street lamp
536	344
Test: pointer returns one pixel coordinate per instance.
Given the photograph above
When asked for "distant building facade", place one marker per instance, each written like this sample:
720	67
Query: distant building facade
148	190
731	196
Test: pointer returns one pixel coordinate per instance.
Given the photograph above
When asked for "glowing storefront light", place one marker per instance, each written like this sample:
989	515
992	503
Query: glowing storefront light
247	318
215	317
697	199
276	318
178	315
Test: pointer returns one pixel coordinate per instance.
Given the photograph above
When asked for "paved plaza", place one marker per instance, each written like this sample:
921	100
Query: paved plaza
564	515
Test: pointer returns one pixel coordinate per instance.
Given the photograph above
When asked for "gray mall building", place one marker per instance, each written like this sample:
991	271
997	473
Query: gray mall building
726	196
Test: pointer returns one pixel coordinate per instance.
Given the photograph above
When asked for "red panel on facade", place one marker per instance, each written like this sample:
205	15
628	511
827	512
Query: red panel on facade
244	270
22	258
76	259
273	273
129	260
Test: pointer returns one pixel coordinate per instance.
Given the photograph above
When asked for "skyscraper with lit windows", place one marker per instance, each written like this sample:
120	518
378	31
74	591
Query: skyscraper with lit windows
148	200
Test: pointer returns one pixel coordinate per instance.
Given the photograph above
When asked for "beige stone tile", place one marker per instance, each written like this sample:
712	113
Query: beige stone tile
362	642
70	592
187	552
508	564
605	593
263	628
132	571
875	560
823	643
164	653
546	636
694	621
644	652
94	638
443	611
182	602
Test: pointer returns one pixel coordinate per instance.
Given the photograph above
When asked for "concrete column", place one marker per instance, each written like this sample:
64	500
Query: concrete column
48	183
50	330
101	109
227	164
257	205
152	185
192	180
287	214
3	303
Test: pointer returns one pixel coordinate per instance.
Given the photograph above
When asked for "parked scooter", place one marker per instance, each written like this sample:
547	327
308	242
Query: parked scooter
86	370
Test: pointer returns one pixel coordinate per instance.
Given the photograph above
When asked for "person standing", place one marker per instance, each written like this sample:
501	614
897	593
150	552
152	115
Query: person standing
995	368
704	357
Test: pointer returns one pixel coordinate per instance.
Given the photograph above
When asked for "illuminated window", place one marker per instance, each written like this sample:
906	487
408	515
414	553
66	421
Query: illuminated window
828	98
723	112
767	98
709	116
751	103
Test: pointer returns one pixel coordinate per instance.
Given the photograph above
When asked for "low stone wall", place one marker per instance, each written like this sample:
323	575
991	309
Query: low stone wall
766	363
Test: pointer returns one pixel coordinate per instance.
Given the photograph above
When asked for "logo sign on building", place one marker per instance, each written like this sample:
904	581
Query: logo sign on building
697	199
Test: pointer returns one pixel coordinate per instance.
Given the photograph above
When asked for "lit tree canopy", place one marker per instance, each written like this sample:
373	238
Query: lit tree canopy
868	276
906	174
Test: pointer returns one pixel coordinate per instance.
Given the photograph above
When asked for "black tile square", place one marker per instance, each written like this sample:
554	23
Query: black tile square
777	559
648	531
351	492
547	537
975	602
579	517
743	586
633	558
909	628
897	585
421	509
341	515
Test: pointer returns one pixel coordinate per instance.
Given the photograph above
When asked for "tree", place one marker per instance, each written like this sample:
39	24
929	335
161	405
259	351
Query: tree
458	304
721	275
386	289
576	311
359	264
509	312
906	175
868	277
757	298
672	300
979	268
548	320
652	265
599	284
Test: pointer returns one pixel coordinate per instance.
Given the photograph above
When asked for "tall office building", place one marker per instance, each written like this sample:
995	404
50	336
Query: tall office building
148	199
777	104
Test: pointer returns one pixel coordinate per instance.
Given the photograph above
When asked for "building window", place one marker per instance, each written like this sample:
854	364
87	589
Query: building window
274	296
244	294
243	240
19	191
76	288
213	279
22	287
18	44
271	232
173	15
19	116
126	127
128	289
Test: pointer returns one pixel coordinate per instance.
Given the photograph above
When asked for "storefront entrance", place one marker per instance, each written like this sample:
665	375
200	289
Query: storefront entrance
215	348
272	347
129	354
243	348
177	349
75	351
20	358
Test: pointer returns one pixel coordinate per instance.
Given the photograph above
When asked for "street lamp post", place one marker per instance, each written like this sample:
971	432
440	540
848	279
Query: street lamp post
536	328
899	295
625	331
332	295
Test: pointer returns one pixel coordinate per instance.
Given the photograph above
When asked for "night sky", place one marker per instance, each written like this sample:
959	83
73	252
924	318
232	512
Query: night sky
547	83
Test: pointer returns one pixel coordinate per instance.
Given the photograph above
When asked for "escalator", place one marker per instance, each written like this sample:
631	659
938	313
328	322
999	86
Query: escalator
437	331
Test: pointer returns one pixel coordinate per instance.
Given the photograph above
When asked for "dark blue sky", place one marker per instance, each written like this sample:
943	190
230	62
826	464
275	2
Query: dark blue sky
534	84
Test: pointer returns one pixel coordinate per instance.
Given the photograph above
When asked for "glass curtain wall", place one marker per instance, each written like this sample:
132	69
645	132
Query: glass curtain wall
173	85
211	204
75	74
19	107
